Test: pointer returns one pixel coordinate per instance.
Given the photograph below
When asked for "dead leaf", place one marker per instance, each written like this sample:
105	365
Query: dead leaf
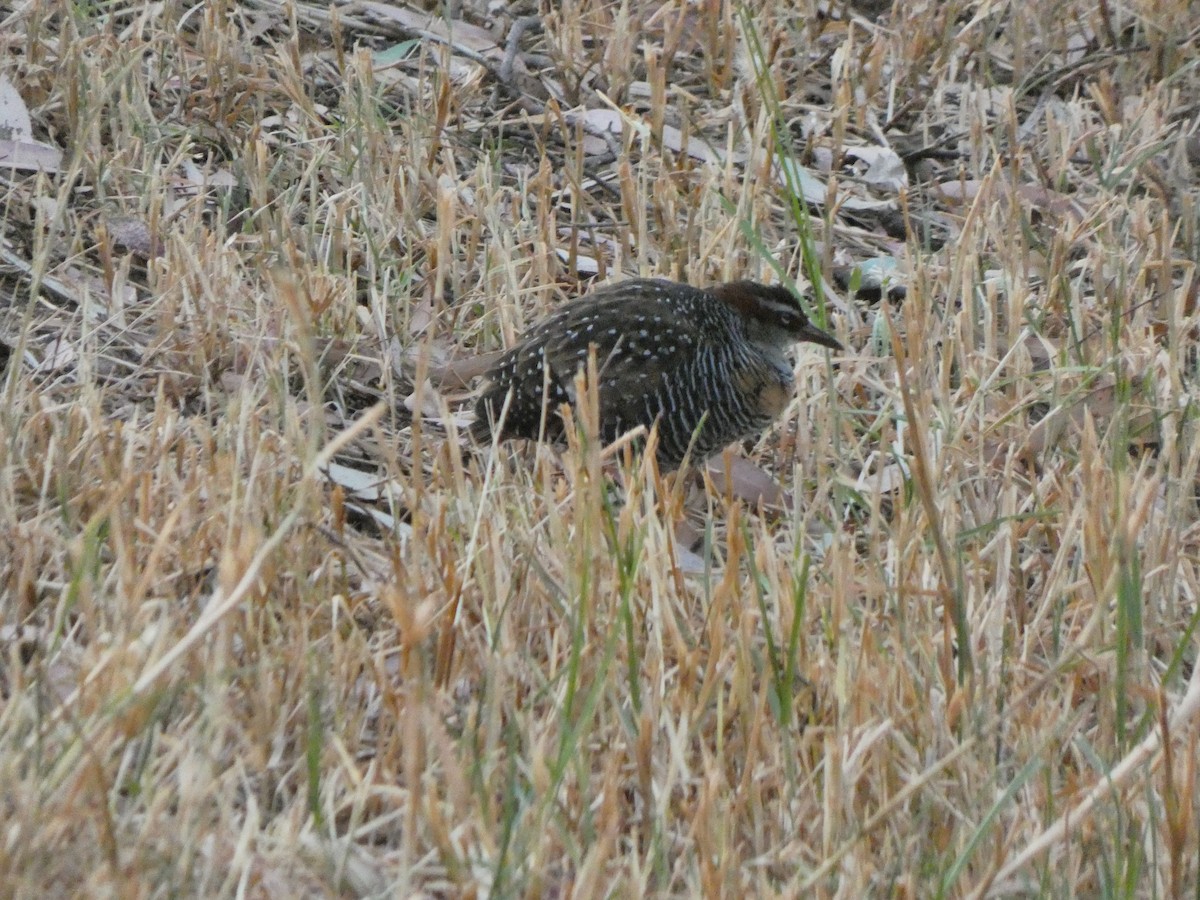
584	264
885	168
60	355
454	31
458	374
889	478
218	178
15	124
815	191
746	481
29	156
433	407
362	485
600	122
133	234
1031	196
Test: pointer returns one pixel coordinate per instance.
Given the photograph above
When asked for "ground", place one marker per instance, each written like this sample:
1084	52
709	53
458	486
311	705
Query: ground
272	626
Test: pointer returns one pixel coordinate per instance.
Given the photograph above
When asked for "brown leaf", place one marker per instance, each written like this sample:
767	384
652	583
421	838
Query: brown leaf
133	234
458	373
746	481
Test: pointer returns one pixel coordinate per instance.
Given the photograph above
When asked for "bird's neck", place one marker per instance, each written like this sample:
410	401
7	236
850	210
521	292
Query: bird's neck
769	338
771	344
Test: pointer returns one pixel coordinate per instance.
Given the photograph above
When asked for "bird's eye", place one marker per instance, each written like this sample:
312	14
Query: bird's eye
788	318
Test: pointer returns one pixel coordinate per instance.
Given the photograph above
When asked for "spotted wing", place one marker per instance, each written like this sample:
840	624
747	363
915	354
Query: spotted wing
641	329
647	336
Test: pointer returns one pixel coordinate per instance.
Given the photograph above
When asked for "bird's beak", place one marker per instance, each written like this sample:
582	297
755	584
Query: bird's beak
814	335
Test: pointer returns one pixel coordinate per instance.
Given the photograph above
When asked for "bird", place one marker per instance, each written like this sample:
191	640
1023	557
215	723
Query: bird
706	365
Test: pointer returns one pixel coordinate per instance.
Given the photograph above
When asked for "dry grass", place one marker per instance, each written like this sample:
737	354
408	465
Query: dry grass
963	664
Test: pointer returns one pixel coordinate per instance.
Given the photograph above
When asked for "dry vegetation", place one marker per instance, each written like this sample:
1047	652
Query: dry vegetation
270	628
